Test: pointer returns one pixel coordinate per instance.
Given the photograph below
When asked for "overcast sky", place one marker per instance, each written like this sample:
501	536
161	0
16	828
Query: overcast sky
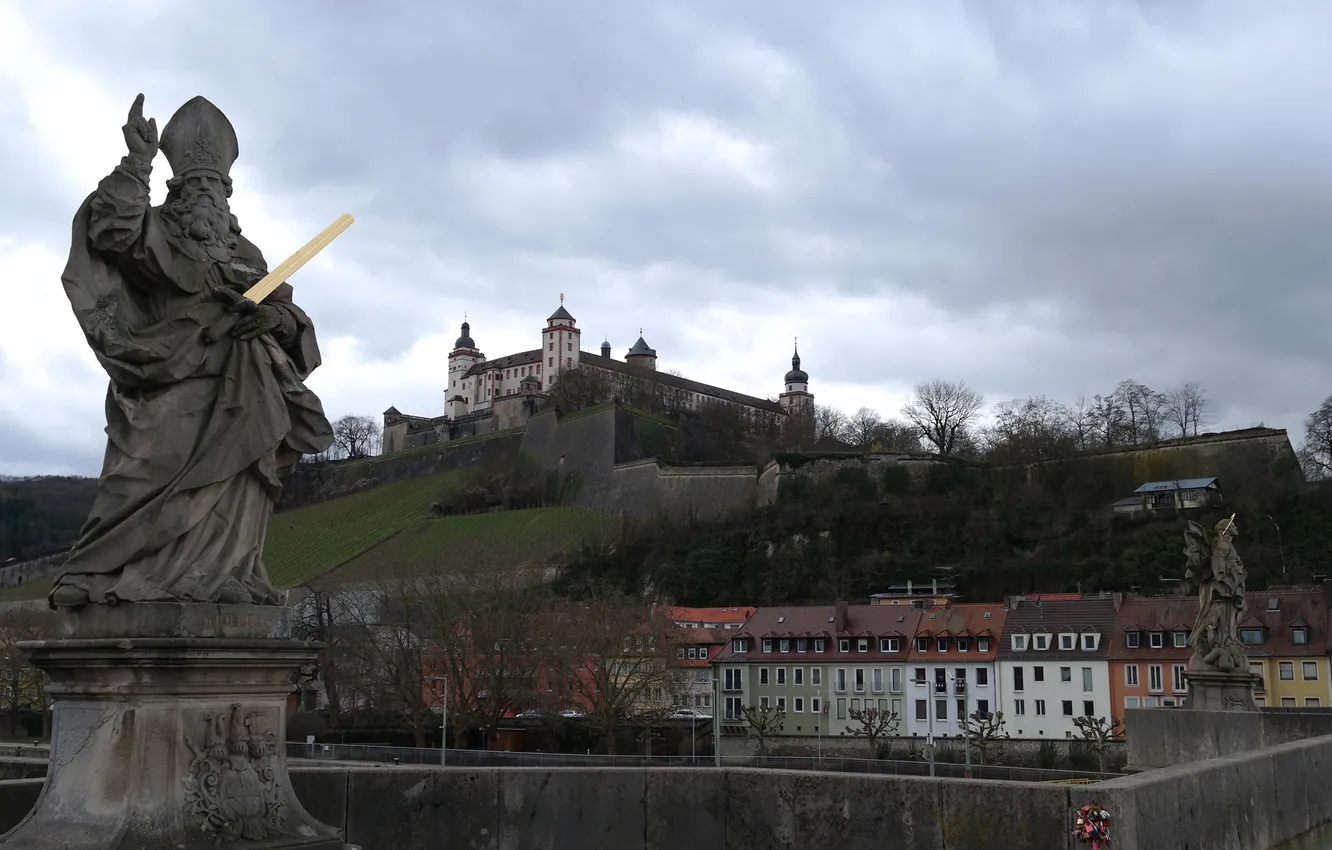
1036	197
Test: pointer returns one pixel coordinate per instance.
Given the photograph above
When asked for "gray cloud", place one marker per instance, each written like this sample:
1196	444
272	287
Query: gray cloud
1079	193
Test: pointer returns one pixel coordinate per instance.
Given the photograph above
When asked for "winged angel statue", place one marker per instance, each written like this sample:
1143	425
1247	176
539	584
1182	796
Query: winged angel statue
1214	562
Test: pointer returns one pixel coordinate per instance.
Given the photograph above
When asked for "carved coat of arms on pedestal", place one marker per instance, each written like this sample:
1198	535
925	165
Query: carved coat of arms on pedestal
232	781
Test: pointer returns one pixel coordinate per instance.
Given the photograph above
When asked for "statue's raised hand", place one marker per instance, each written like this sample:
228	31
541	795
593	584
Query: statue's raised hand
141	133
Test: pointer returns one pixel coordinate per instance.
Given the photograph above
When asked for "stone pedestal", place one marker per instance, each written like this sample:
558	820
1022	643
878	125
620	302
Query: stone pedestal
169	731
1209	691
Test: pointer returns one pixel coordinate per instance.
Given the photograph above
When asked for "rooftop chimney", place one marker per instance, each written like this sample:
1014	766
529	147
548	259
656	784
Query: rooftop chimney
839	616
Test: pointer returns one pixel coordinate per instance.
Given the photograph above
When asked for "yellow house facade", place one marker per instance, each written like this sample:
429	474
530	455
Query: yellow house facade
1285	634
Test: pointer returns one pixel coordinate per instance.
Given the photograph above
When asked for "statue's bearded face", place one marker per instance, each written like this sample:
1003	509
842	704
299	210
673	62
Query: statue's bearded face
198	203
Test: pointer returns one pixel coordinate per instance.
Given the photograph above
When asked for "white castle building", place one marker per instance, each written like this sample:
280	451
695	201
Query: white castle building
493	395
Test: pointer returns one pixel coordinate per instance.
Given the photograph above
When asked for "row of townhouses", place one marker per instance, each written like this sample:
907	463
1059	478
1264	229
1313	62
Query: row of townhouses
1042	660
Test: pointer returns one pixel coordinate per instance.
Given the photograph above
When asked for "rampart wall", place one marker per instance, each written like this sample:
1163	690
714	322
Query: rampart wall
1252	801
15	573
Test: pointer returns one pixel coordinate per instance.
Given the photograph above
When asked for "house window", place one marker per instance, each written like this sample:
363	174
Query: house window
1181	640
922	644
1042	642
941	709
763	702
1017	678
841	709
1090	642
1157	640
1132	639
840	682
733	682
918	675
895	680
1065	674
1177	683
878	680
844	645
983	707
1019	643
1252	637
860	680
799	704
1040	707
983	645
767	645
783	646
679	652
702	652
816	676
802	645
1086	680
883	645
1131	676
1066	641
963	644
1068	707
1311	702
1038	674
1154	678
922	713
1088	708
1019	706
943	644
798	676
781	704
550	361
982	677
741	644
1310	671
781	676
862	645
1131	702
733	708
815	705
1287	670
1288	702
1299	636
819	644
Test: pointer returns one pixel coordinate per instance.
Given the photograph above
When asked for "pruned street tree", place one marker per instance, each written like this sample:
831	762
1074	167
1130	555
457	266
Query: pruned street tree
21	684
875	725
765	720
943	411
356	437
986	733
1186	409
1316	453
1097	734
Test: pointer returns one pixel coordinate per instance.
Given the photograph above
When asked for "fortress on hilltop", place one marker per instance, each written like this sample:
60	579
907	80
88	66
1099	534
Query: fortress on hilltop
494	395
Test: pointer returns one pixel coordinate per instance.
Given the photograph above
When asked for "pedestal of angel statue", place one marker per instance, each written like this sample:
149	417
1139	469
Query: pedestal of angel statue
171	656
1218	677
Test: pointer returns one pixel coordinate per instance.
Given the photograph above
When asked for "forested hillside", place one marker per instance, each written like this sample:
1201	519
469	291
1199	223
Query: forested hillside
43	514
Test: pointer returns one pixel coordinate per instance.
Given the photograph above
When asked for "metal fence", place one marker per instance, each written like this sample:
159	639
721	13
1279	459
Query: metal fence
501	758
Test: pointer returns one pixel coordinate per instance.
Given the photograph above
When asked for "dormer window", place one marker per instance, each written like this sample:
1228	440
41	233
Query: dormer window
1181	639
1157	640
1090	641
862	645
1252	637
963	644
894	644
943	644
1067	641
844	645
741	644
922	644
1299	635
819	644
1020	643
767	644
702	652
802	645
883	645
784	645
1041	641
983	645
1132	639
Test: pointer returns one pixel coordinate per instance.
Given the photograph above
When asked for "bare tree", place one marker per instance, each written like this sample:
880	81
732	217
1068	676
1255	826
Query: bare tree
322	616
614	659
1186	408
1107	416
1080	418
21	684
985	731
943	411
1316	453
894	435
1098	733
1143	411
356	436
875	725
1029	429
863	427
766	721
574	389
829	423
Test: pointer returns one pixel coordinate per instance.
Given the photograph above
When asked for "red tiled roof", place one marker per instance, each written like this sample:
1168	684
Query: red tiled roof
1146	614
967	619
814	621
736	614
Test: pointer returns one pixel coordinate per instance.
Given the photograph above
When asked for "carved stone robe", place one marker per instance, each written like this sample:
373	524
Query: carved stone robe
198	429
